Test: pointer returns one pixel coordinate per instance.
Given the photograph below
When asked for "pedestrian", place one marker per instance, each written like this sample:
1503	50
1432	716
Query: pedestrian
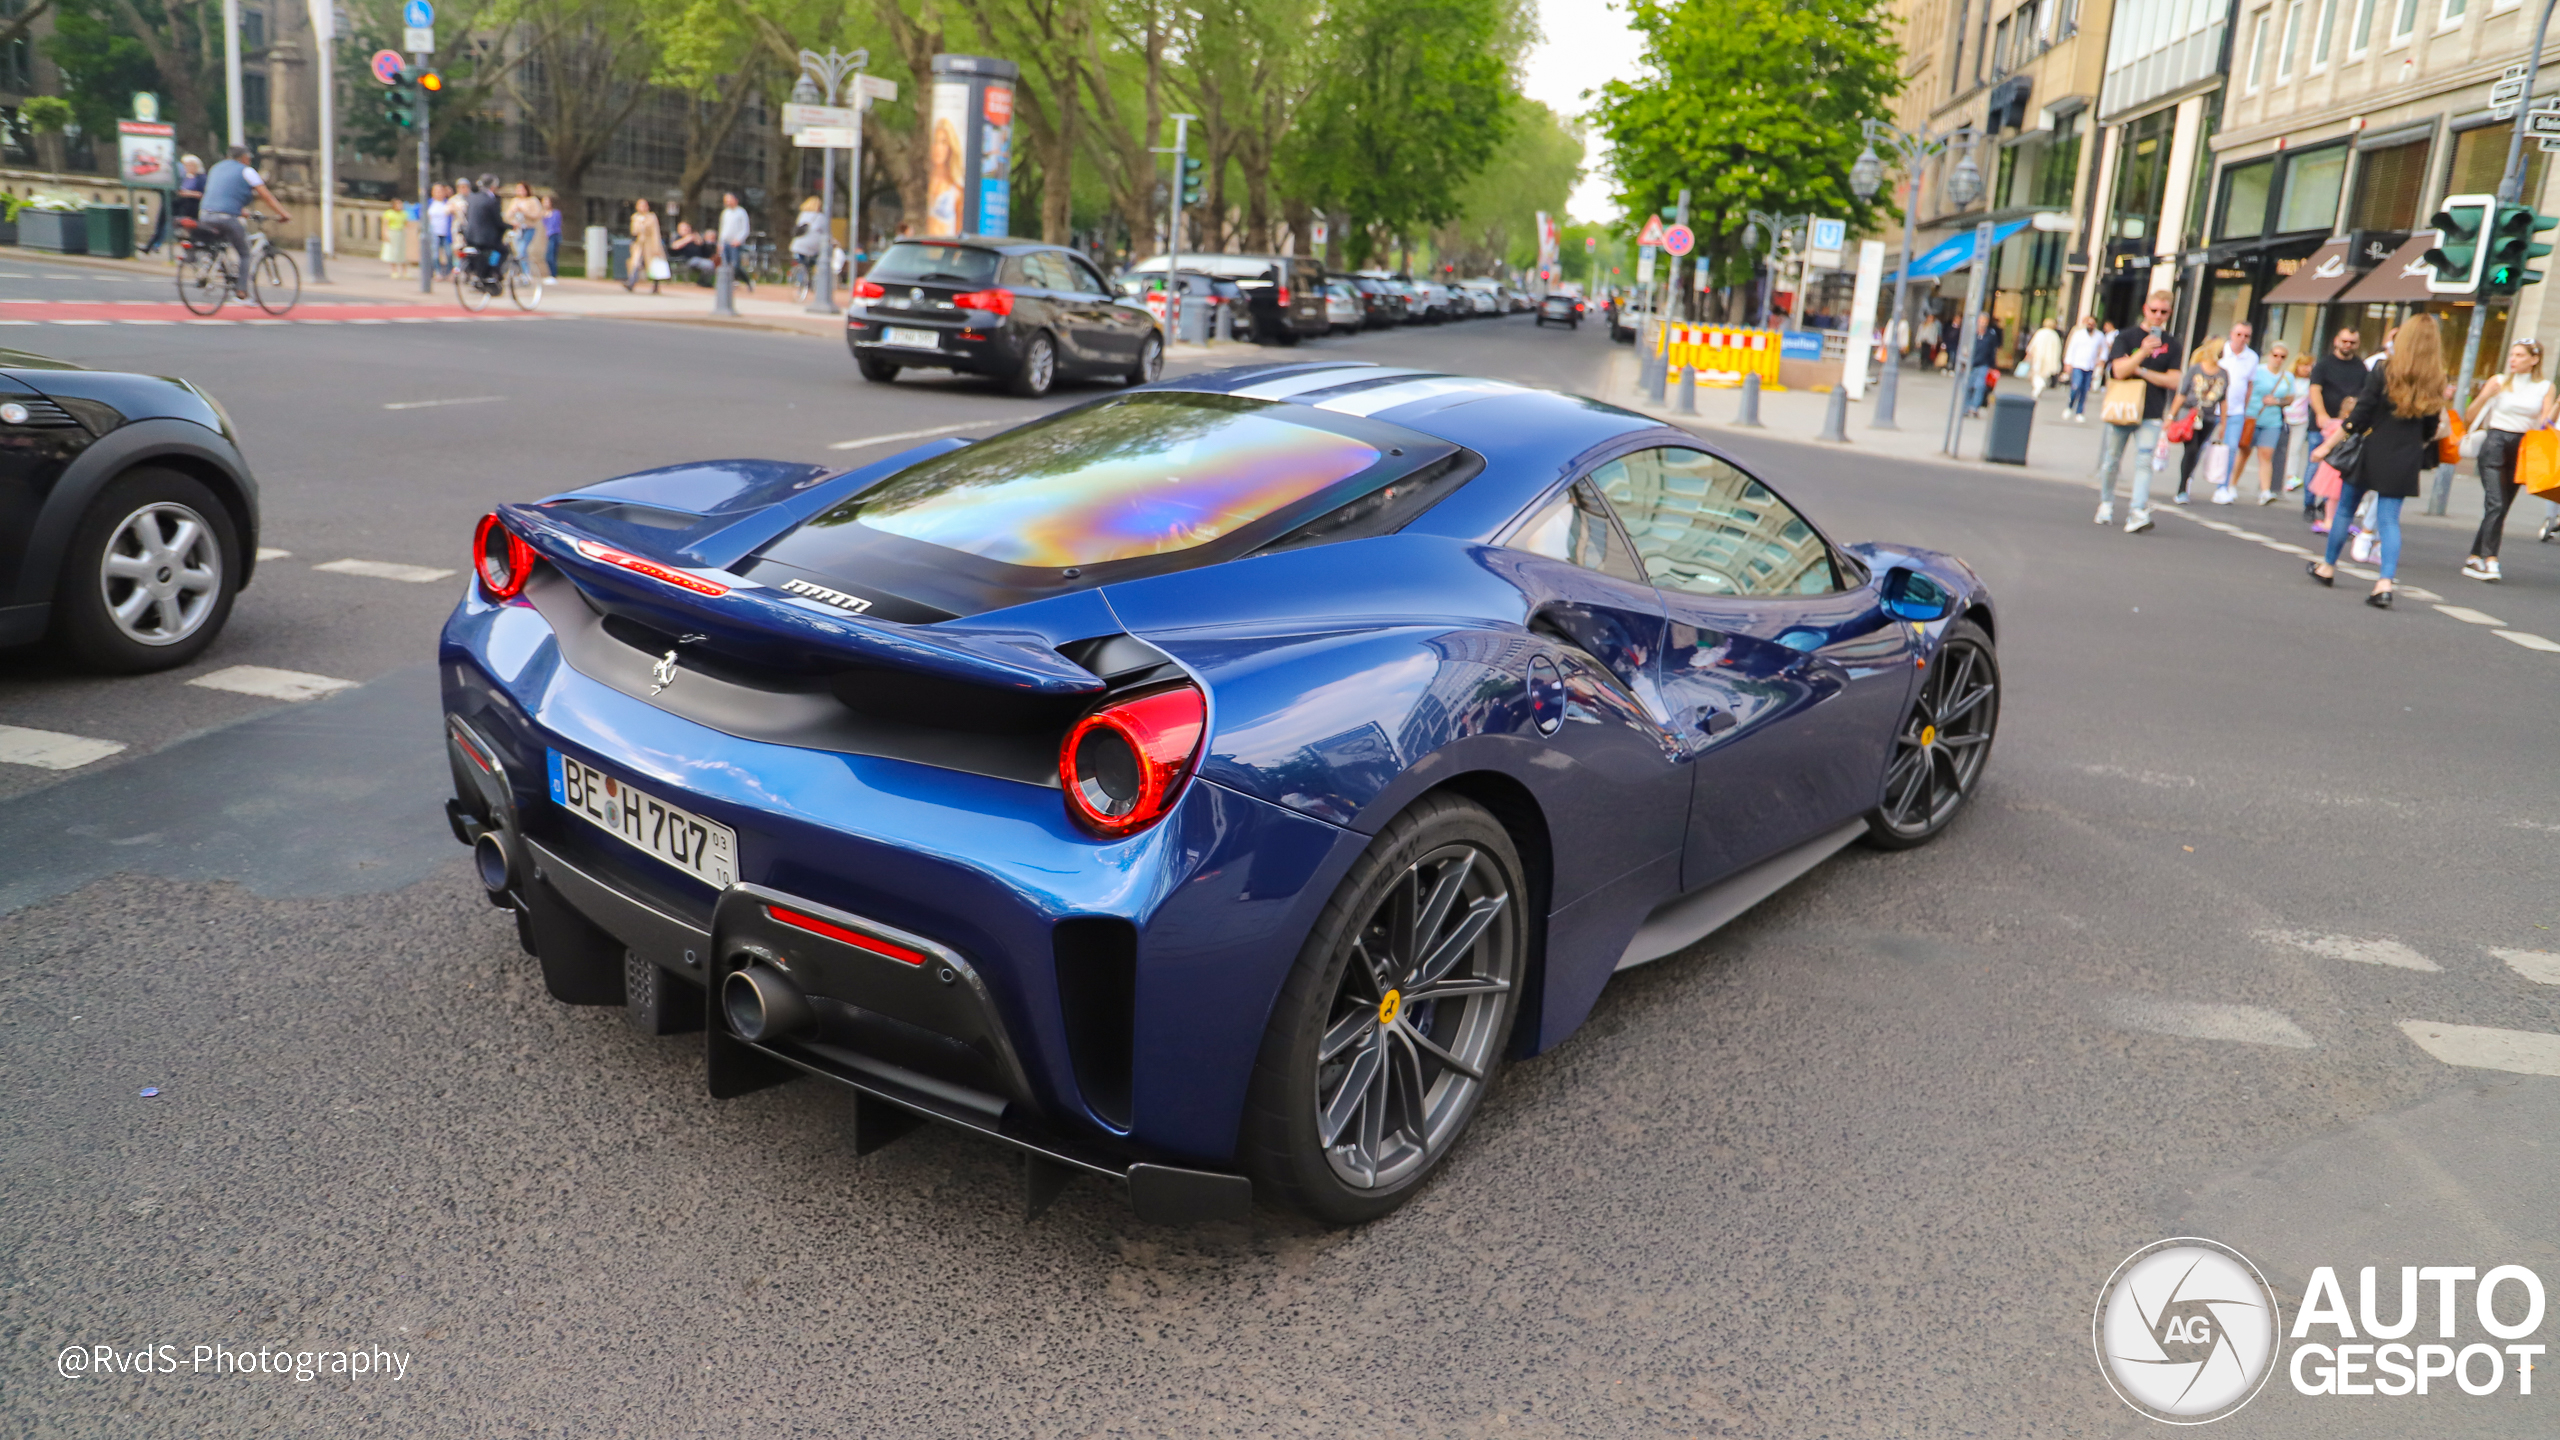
395	239
2398	414
2293	460
693	252
440	226
809	236
2044	356
524	226
1982	358
2080	356
181	201
734	229
1929	339
2239	366
2336	380
2141	371
2201	388
2261	408
648	252
551	222
2508	406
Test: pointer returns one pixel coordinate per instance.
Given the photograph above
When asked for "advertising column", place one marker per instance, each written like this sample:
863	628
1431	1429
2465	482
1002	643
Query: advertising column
969	155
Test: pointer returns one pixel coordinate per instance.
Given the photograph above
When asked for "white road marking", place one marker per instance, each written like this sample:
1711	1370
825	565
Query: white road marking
271	684
432	404
269	552
2153	778
84	322
2247	1024
146	322
2415	592
386	570
2468	616
2528	640
2479	1047
50	749
369	320
912	434
414	319
21	322
2539	966
2348	947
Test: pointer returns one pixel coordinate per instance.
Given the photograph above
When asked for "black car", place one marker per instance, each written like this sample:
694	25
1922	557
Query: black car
128	520
1021	311
1381	304
1285	293
1561	308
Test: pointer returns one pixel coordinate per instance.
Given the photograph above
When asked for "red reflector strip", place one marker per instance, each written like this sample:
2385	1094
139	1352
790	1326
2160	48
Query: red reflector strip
838	933
651	568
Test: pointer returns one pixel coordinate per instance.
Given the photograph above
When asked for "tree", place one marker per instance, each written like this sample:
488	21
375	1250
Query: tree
1749	104
97	42
575	69
1535	169
47	115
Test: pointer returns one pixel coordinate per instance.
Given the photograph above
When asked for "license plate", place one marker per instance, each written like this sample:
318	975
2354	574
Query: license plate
917	339
701	848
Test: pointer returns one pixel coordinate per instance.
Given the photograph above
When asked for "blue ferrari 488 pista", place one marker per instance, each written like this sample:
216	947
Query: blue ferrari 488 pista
1208	787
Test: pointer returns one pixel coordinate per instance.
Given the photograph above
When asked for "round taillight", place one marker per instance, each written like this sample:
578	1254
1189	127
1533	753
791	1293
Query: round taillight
1122	765
502	561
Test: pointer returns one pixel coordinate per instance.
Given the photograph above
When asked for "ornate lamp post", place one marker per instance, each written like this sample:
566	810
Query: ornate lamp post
1865	178
1777	228
822	77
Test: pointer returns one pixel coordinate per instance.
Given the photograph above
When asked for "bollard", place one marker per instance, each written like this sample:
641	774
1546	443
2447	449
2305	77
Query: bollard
2442	494
314	266
1750	400
1835	419
1659	387
721	285
1688	390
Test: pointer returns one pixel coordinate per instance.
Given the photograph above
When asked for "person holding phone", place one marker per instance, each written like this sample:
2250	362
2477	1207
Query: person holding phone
2149	354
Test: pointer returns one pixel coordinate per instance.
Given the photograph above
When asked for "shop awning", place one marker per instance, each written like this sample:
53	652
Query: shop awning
2322	275
2402	279
1954	253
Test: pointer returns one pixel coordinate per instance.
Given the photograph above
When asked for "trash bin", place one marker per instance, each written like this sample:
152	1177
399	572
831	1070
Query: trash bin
619	266
111	231
2012	416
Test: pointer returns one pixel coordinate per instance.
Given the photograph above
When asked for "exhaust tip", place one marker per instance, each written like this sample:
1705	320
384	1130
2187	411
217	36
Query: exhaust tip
497	867
762	1004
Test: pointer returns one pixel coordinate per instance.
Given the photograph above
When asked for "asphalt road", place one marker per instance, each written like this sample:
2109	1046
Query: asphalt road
1856	1166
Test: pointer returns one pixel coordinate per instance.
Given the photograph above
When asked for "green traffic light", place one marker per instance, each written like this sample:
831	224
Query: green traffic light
2512	249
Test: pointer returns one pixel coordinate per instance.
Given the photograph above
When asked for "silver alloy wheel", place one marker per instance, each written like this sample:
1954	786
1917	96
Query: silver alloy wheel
1040	366
161	573
1150	361
1944	741
1416	1018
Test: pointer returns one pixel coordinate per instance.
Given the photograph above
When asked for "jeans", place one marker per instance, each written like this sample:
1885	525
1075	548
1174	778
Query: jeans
2297	443
444	255
221	226
2080	392
2497	489
550	256
729	259
2386	523
2145	440
1976	378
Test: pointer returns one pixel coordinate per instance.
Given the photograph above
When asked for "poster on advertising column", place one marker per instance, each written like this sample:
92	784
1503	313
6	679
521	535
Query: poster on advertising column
946	152
969	155
995	160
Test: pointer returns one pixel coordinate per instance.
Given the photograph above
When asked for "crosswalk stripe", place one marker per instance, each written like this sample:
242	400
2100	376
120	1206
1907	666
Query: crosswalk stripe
385	570
2247	1024
2348	947
269	552
51	749
2468	616
272	684
2539	966
2481	1047
2529	640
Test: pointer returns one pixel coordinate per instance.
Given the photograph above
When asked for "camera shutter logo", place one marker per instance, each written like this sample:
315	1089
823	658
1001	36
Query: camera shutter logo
2186	1331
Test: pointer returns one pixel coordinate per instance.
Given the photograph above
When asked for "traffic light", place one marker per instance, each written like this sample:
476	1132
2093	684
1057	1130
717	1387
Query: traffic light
431	82
2511	245
401	102
1190	180
2458	252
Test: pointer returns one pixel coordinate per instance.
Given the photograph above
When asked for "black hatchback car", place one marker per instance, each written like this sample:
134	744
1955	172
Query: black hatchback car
1023	312
128	520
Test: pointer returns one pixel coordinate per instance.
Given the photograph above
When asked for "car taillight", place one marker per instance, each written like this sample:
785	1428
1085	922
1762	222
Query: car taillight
1284	297
500	559
869	290
1122	765
996	301
663	574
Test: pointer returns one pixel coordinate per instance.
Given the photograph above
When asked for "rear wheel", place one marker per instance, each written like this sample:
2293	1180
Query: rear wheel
467	287
522	288
1392	1024
875	369
201	286
149	577
1939	753
1039	368
277	282
1150	366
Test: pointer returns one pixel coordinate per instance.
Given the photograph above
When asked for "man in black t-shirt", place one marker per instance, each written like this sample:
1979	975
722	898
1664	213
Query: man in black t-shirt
2149	353
2337	378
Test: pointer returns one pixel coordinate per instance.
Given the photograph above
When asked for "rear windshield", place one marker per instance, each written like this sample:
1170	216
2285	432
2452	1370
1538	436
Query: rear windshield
1149	475
915	262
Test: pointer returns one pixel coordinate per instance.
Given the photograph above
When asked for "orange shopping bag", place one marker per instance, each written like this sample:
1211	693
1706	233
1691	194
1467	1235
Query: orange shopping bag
2449	438
2538	463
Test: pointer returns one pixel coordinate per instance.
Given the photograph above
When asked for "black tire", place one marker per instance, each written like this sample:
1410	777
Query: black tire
1039	368
1542	322
875	369
1376	1051
167	631
277	282
1943	745
1284	334
1150	366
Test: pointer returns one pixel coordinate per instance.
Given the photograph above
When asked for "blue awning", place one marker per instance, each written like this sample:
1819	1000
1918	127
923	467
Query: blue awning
1954	253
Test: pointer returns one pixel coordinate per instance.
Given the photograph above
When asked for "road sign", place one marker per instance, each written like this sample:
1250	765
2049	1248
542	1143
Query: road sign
387	66
2543	122
872	87
418	14
1679	240
418	40
796	118
825	137
1652	233
1319	232
1830	234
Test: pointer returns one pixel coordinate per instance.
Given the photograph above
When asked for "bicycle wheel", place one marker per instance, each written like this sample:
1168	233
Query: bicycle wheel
202	283
522	288
800	281
277	282
468	289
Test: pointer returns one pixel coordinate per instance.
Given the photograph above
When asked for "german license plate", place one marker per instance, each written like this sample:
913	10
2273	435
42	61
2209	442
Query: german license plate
701	848
914	339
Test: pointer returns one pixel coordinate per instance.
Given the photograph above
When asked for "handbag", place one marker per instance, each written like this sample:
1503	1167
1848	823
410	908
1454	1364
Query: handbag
2182	429
2538	463
2348	456
2452	445
2249	433
658	268
2123	403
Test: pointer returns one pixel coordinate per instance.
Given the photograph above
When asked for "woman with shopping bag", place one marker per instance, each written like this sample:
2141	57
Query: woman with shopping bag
2510	407
2389	440
648	250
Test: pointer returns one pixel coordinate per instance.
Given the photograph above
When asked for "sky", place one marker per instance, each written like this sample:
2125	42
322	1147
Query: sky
1587	44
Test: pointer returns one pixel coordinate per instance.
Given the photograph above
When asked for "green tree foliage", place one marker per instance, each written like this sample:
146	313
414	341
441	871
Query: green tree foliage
107	49
1748	104
1537	166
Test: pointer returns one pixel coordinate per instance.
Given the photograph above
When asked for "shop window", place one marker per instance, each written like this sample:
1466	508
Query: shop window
2313	181
2058	173
2320	28
2360	34
2480	161
2244	200
2389	183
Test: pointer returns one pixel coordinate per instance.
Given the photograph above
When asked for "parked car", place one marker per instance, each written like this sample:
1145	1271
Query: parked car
1416	309
1343	308
1485	295
1561	308
1203	790
1286	292
1018	310
1214	296
1615	310
128	519
1438	305
1381	302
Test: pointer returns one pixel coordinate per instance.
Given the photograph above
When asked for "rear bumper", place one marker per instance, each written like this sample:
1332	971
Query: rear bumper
987	351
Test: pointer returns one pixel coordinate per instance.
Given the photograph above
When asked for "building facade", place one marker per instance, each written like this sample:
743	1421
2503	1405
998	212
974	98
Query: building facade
2160	101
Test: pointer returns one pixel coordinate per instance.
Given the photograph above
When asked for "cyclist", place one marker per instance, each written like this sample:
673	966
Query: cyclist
484	227
228	188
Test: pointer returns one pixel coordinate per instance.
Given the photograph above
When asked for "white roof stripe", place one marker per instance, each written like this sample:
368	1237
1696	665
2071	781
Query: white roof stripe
1300	382
1388	397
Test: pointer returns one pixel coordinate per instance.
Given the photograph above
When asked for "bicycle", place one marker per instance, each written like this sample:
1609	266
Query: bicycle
207	276
475	288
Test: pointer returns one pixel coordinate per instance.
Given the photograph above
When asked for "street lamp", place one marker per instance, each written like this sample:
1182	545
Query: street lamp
1964	186
822	77
1865	178
1777	228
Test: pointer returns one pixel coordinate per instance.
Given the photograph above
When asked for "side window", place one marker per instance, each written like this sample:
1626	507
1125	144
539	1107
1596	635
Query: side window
1023	271
1575	528
1705	527
1087	281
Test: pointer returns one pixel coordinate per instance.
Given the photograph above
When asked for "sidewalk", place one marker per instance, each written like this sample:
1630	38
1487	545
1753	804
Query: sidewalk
2058	449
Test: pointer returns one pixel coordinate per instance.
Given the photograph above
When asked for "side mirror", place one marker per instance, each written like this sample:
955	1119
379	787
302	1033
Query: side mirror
1910	595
